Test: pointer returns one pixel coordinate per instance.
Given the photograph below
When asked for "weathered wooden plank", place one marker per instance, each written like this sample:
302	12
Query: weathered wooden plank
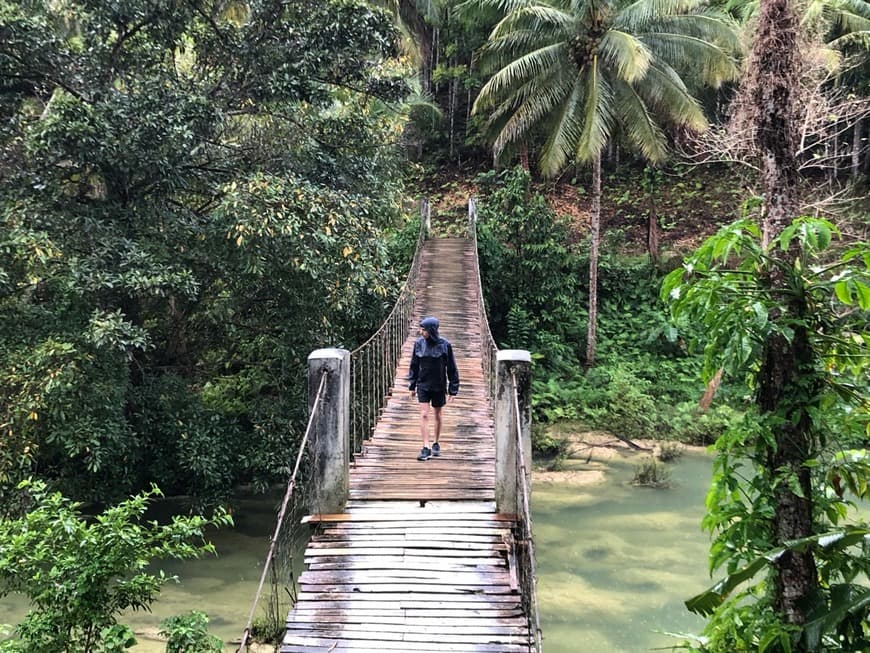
408	543
295	643
419	516
404	597
384	610
430	636
418	561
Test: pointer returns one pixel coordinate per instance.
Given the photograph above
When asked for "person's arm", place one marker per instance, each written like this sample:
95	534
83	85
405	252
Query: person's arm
414	372
452	373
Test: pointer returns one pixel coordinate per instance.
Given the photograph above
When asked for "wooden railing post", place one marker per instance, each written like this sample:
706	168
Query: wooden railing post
511	363
330	444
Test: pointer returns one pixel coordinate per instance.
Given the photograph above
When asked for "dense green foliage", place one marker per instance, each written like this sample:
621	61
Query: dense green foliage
724	287
81	573
188	633
194	196
647	381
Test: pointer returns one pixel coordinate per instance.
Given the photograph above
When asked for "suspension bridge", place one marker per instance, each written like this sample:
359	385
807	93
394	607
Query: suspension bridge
396	554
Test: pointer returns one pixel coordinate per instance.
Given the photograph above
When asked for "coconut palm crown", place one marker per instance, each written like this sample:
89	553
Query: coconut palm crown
581	68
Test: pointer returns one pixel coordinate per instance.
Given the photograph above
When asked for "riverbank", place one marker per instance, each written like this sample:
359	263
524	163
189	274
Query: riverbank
590	455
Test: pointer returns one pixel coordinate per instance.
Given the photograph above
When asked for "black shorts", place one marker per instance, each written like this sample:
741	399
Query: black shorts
436	397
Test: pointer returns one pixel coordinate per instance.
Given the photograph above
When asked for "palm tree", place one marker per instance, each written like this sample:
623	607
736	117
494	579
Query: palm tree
581	69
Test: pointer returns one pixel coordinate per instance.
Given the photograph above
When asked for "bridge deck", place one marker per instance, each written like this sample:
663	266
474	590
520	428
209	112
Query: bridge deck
419	561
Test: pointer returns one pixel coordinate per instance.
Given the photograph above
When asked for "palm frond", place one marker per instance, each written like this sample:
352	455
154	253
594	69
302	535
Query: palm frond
495	54
665	92
639	13
851	23
595	113
564	133
627	55
858	40
709	25
539	17
538	63
502	6
532	112
638	123
855	7
707	60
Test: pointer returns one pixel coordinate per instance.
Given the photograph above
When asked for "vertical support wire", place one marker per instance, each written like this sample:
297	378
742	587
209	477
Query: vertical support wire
488	348
525	540
280	535
376	360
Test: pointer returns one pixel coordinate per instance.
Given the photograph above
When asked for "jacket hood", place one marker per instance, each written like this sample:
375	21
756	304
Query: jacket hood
431	326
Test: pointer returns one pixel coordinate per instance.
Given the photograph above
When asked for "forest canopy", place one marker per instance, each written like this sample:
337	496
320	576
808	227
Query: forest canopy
193	196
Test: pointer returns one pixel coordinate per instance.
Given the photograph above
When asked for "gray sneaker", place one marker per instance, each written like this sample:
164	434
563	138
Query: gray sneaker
436	449
425	454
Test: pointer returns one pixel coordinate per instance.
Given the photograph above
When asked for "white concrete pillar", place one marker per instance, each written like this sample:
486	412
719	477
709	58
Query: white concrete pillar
511	363
426	217
330	430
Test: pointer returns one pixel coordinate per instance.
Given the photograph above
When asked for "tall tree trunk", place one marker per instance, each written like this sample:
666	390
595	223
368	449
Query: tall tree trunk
856	147
423	34
774	70
524	156
652	231
594	238
454	83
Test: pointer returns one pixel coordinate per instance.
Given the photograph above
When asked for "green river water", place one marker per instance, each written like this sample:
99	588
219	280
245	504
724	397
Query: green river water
615	563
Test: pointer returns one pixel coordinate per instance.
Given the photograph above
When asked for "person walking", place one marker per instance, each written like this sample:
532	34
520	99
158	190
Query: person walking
434	379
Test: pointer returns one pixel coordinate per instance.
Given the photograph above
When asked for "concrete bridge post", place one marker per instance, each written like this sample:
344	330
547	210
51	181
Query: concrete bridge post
426	216
511	362
330	430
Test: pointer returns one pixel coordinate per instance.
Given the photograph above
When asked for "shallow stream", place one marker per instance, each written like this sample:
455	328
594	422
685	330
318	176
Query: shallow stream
615	563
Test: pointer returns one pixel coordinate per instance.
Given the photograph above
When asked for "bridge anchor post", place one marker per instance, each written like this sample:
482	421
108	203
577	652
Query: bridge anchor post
330	442
511	364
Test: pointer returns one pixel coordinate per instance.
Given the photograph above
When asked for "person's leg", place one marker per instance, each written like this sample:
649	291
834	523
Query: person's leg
424	423
438	402
437	412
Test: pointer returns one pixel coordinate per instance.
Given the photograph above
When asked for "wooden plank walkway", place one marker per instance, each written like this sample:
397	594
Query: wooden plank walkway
419	559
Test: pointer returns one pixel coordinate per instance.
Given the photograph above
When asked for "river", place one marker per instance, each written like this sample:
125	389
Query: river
615	563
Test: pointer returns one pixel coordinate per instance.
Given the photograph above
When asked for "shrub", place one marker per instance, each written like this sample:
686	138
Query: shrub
80	574
669	450
694	427
651	473
630	412
188	633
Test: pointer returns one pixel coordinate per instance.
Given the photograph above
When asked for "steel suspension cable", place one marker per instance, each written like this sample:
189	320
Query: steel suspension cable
488	347
288	494
374	362
526	540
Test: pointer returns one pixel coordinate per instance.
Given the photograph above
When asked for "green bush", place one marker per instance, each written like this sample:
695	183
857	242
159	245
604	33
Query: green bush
668	451
650	472
81	574
544	445
625	407
188	633
692	426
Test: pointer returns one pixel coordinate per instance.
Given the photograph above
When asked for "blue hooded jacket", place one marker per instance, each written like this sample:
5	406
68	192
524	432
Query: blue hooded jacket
433	367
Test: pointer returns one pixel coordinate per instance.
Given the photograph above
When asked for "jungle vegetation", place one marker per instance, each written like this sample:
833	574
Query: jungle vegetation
197	193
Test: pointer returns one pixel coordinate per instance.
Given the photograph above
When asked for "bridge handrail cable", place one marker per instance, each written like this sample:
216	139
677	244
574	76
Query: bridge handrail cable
525	542
282	514
373	363
488	347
